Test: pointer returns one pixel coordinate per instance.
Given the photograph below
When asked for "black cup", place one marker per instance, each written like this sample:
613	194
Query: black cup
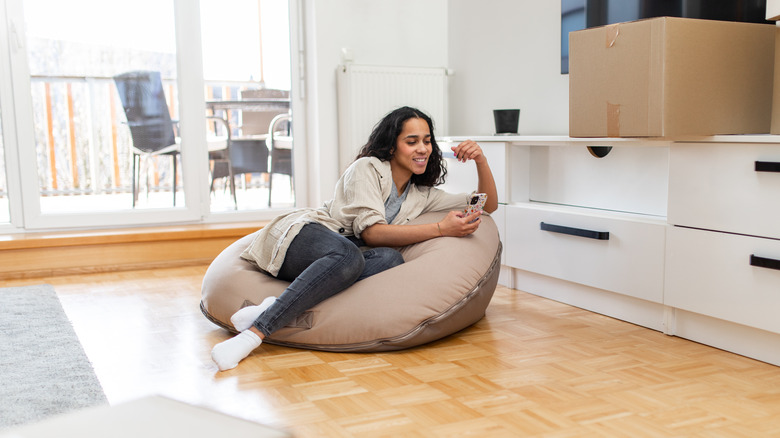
506	120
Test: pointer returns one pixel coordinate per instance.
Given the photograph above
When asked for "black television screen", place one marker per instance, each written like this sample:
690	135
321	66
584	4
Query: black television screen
581	14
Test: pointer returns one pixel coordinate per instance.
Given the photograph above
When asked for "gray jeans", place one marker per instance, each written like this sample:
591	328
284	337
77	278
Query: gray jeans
319	264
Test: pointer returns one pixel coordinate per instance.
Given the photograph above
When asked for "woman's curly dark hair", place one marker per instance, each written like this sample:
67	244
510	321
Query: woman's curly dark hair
382	142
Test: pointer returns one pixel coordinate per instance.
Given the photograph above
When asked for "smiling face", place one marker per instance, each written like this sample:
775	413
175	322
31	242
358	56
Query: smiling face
412	149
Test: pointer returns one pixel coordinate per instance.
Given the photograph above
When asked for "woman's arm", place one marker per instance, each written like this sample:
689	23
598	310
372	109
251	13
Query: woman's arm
453	224
470	150
401	235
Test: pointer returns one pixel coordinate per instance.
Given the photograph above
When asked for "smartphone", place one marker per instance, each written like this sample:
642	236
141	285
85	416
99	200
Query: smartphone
476	203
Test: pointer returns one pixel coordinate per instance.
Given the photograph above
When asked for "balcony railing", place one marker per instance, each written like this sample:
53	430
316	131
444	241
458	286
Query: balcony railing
83	147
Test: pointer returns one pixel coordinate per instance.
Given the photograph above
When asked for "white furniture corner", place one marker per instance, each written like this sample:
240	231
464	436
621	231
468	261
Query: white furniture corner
680	236
772	9
150	417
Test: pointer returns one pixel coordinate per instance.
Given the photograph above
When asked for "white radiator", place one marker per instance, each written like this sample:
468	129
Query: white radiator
367	93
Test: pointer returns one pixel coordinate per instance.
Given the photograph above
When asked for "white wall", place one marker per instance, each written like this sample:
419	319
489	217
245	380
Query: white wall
398	32
507	54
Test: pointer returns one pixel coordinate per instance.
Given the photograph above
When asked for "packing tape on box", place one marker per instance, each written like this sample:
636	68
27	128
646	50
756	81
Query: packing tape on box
613	110
613	30
613	120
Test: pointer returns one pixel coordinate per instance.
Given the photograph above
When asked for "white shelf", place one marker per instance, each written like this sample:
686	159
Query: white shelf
558	140
562	140
640	192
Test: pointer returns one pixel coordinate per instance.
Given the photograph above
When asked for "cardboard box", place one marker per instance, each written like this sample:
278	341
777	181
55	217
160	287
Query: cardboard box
775	128
671	77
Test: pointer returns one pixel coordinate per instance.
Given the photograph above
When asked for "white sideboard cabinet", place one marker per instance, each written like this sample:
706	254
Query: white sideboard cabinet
680	236
723	243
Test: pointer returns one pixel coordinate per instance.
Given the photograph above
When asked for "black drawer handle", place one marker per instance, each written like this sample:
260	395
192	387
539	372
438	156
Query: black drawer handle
580	232
763	262
767	166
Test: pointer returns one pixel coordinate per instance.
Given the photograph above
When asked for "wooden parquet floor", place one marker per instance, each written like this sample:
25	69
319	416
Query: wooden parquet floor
531	367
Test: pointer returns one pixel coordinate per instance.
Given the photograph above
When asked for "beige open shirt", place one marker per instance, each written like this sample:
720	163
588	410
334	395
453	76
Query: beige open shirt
358	202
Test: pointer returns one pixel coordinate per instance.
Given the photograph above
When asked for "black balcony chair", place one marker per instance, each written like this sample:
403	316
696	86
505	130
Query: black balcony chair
152	130
265	136
246	155
280	149
252	155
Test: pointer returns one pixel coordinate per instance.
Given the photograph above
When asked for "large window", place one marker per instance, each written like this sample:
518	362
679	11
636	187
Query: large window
4	207
246	61
84	143
116	120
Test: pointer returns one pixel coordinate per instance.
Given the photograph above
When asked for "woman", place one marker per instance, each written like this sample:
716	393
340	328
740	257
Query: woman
319	250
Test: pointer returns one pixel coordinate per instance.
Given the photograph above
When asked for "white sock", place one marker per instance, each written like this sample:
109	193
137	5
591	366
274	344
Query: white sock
244	318
228	354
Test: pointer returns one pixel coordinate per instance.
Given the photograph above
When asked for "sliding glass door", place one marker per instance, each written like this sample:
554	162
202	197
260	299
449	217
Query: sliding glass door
246	67
5	212
88	156
10	198
111	103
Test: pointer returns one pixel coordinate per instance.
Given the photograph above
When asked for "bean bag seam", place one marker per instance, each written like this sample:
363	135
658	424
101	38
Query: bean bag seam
215	320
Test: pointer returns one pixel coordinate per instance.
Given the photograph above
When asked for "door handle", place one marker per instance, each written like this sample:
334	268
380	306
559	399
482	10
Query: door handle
763	262
579	232
767	166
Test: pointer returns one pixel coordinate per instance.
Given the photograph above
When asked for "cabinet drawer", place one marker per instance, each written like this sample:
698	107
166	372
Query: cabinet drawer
710	273
716	186
631	179
630	261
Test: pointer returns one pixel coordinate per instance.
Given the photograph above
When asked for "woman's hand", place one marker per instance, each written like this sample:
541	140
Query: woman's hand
457	225
468	150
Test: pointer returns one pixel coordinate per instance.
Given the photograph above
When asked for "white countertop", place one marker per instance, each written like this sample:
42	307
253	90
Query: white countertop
658	141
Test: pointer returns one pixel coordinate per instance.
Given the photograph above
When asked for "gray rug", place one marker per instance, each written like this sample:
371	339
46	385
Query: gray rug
43	368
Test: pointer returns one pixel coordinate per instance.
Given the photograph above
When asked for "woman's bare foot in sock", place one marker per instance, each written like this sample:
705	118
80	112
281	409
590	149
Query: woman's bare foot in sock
245	317
228	354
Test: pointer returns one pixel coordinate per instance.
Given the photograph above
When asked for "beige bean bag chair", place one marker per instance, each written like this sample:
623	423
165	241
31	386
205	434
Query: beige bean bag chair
444	285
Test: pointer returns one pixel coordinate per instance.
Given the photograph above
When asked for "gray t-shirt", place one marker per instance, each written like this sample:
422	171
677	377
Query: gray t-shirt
393	203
